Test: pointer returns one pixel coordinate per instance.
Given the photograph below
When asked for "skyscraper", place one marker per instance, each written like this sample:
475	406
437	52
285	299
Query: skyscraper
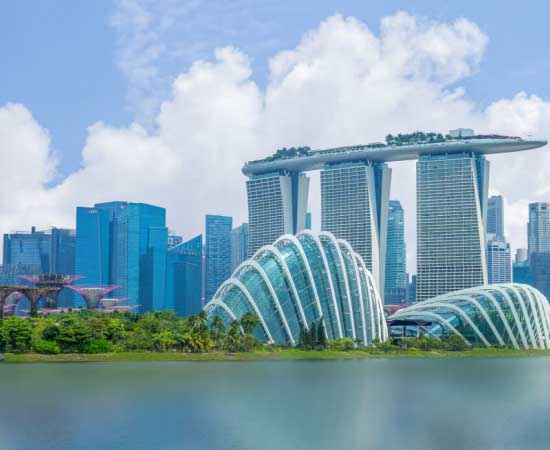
521	255
499	264
28	248
184	277
451	199
396	270
538	228
239	245
540	269
354	207
124	244
93	245
138	257
495	217
277	204
218	253
62	260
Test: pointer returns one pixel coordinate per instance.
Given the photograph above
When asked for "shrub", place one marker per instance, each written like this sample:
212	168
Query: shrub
342	344
47	347
455	343
98	346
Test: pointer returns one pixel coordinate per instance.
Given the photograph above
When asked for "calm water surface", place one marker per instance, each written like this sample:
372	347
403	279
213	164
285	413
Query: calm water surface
471	404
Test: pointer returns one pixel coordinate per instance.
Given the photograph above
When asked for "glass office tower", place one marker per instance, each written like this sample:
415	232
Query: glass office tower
277	204
138	257
354	207
395	290
184	277
451	199
93	245
62	260
218	253
28	248
239	245
538	228
495	217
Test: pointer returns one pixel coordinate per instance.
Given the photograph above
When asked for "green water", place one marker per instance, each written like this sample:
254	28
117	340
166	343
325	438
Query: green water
474	404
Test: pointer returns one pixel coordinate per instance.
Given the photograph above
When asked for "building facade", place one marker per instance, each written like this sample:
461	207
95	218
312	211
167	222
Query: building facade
538	228
451	199
124	244
395	287
277	204
184	277
28	248
495	217
218	253
354	207
93	245
239	245
499	263
540	268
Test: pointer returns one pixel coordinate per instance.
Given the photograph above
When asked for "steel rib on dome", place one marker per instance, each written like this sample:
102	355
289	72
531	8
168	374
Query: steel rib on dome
510	314
310	277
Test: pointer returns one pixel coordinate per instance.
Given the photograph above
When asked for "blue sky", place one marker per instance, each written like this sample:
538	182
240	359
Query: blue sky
161	101
60	58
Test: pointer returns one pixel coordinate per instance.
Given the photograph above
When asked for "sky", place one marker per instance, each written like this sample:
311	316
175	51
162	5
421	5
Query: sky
162	101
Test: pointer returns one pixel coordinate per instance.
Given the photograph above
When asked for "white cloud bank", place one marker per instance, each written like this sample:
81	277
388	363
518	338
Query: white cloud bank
341	85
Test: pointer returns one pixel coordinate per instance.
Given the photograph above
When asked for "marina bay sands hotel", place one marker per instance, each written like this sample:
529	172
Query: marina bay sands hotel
452	178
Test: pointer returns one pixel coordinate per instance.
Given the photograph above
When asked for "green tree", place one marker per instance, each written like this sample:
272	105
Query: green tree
17	334
249	322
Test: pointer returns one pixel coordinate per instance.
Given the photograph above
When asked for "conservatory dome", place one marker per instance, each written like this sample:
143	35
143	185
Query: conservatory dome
300	280
511	315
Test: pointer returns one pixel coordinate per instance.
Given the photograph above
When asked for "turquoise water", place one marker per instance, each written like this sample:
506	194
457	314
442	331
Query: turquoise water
473	404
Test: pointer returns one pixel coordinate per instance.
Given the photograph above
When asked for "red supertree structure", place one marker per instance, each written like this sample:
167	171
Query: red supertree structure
5	293
53	283
93	295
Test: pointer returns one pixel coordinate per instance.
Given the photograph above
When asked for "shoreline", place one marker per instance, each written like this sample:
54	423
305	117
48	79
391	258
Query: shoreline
278	355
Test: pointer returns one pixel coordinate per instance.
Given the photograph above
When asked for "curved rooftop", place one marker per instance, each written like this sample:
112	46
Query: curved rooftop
317	159
300	280
501	315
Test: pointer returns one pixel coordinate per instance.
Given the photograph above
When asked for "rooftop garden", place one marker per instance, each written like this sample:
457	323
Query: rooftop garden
288	153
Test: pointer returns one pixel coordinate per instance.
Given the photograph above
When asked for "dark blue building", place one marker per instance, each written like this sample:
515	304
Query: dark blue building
93	245
184	277
30	249
218	253
395	282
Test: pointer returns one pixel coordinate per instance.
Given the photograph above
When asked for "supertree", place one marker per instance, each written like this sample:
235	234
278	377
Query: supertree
54	282
93	295
35	294
5	292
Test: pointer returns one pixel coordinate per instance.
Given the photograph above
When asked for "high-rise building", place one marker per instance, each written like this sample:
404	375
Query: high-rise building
495	217
355	185
522	255
395	289
239	245
538	228
522	273
124	244
354	207
138	257
451	200
28	248
277	204
184	277
308	221
411	293
218	253
62	260
540	267
499	264
93	245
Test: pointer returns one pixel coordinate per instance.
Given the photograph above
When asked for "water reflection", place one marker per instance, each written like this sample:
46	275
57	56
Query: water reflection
500	404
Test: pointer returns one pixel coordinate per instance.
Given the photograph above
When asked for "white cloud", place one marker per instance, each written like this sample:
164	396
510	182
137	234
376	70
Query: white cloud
342	84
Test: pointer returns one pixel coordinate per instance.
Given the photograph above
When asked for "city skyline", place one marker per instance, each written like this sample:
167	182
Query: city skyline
451	90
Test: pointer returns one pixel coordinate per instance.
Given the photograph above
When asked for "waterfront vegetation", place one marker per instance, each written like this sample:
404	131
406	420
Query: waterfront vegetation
162	336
